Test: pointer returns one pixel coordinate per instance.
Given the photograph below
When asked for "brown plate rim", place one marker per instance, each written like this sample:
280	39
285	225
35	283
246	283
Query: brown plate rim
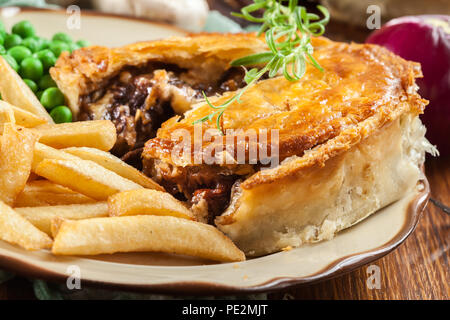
335	269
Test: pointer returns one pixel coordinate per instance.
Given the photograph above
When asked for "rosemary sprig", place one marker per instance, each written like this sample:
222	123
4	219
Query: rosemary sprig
288	30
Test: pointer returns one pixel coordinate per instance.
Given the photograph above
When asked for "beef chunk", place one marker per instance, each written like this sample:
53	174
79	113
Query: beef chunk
206	185
138	105
139	100
133	158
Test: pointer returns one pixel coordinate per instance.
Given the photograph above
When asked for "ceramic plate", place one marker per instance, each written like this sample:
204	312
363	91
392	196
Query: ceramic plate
99	29
163	273
367	241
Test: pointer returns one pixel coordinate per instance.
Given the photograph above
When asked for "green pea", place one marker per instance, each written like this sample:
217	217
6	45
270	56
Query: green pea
42	43
31	68
2	29
83	43
12	40
63	37
52	97
46	82
24	29
58	47
39	94
2	39
47	58
11	61
61	114
31	43
73	47
19	53
2	50
33	86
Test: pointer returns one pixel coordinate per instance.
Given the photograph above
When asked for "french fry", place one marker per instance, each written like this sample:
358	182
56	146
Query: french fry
55	225
41	217
40	193
6	115
27	119
144	234
33	176
85	177
100	134
16	156
42	152
108	161
12	114
17	93
147	201
16	229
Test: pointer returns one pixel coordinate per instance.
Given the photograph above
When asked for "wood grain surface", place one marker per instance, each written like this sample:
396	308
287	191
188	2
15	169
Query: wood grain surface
418	269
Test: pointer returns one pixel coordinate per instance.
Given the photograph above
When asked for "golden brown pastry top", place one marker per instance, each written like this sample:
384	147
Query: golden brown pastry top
206	56
362	88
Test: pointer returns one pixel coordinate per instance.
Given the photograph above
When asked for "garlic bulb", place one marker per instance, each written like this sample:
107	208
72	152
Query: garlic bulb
187	14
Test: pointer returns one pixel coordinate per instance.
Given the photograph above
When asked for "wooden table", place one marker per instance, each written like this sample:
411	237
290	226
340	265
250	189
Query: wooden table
418	269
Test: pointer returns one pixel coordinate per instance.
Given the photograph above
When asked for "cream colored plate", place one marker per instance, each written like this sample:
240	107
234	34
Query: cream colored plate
358	245
365	242
99	29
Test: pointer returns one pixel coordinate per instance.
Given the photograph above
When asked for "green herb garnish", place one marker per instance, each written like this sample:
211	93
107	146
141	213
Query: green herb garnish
288	30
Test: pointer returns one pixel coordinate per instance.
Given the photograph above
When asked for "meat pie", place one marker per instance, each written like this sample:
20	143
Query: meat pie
349	139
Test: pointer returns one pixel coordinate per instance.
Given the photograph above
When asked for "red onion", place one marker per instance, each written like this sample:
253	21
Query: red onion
425	39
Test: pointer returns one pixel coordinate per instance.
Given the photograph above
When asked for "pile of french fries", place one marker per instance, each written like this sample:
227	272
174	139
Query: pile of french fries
61	189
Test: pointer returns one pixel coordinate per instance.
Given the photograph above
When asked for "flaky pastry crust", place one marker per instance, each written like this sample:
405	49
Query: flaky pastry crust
363	87
333	127
88	69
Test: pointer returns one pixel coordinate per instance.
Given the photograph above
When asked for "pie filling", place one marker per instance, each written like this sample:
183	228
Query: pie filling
139	99
206	188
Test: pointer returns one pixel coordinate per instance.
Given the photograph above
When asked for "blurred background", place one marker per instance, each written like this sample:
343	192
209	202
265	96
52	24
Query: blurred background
423	36
348	16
